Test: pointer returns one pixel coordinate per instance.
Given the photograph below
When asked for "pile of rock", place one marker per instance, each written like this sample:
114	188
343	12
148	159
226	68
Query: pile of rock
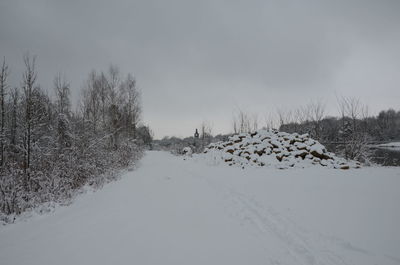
274	148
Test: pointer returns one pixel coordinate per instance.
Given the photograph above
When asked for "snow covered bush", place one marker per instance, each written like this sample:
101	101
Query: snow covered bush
187	151
48	152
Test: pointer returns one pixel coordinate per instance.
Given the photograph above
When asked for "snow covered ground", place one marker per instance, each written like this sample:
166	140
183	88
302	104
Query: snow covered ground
390	145
172	211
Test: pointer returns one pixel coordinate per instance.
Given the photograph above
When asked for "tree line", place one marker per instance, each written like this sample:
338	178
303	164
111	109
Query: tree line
49	151
176	144
349	134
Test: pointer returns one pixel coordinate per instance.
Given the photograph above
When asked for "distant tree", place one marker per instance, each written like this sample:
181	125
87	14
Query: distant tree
270	121
145	135
48	151
92	100
132	105
284	117
243	122
389	124
28	82
14	105
316	112
63	107
3	87
354	139
62	91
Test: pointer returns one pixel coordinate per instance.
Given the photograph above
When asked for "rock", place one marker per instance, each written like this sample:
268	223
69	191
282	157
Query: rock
320	156
260	153
301	154
230	151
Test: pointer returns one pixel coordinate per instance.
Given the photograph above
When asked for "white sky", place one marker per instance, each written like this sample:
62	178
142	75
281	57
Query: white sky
201	60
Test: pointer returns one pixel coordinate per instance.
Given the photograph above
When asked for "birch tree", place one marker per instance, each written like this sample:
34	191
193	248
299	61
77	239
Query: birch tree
3	87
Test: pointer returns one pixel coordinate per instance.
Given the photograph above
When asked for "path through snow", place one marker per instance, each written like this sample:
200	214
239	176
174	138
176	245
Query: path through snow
171	211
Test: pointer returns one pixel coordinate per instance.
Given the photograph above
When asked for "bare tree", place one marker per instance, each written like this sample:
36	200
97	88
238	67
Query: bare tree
352	108
316	112
62	91
354	139
63	107
243	122
300	115
284	116
3	87
254	122
113	82
133	105
270	121
206	128
92	98
28	82
14	100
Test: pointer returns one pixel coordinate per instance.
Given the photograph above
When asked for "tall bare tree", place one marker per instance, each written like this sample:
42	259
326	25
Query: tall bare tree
316	112
28	82
3	87
92	99
14	100
354	139
131	94
63	107
205	129
62	91
270	121
243	122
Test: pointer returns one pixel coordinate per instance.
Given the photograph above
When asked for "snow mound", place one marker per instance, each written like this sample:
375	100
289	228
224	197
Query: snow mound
187	151
274	148
394	145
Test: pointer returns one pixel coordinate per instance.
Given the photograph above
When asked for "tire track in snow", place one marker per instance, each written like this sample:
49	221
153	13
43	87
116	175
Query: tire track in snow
297	244
271	223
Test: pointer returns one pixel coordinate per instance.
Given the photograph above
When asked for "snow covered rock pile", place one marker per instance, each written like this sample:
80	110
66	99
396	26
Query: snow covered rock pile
274	148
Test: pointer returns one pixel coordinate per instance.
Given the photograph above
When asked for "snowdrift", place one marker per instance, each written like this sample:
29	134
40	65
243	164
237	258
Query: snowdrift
274	148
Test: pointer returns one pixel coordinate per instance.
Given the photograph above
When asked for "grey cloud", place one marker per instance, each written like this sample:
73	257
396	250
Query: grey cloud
198	60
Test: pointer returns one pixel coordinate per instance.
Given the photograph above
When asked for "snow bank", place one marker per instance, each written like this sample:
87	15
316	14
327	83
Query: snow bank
274	148
172	211
390	145
187	151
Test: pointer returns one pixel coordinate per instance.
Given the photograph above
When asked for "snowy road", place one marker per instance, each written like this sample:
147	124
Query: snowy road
171	211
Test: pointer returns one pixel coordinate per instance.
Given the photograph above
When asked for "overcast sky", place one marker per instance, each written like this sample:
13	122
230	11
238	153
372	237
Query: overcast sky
201	60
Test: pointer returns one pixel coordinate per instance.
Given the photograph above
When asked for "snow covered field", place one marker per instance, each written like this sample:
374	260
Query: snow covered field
390	145
172	211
